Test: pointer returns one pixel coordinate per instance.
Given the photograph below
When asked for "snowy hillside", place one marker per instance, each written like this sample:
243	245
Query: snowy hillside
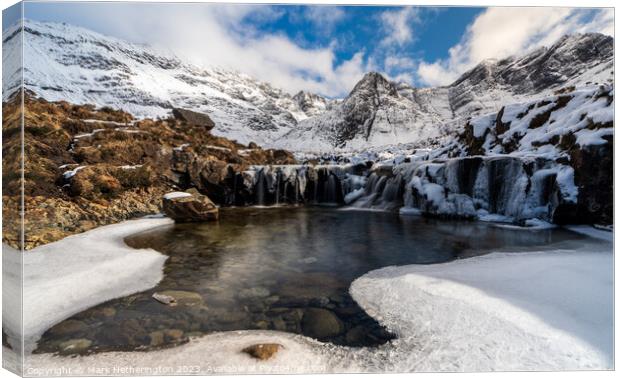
64	62
548	127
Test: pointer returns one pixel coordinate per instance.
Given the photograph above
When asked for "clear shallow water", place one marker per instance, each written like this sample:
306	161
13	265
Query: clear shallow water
286	269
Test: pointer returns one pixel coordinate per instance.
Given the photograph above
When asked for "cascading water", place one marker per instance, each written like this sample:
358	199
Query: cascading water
476	187
469	187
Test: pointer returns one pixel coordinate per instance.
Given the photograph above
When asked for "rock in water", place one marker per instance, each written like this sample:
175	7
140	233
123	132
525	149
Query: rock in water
67	327
320	323
193	118
178	297
189	206
75	346
262	351
165	299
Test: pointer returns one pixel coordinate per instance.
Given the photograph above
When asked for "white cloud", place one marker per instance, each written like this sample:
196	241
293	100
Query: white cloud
398	62
398	25
324	17
501	32
403	77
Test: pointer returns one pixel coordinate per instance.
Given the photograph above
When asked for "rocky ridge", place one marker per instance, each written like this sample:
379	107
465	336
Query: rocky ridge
86	167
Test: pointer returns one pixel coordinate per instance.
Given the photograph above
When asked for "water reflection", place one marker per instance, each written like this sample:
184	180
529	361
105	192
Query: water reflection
286	269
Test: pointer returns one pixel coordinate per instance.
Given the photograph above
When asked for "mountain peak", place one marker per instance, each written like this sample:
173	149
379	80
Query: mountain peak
376	84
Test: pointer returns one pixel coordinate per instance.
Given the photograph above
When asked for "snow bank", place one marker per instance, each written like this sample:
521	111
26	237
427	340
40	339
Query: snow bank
519	311
71	173
516	311
217	353
75	273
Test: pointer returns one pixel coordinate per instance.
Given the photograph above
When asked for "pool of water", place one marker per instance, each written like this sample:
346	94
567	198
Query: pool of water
287	269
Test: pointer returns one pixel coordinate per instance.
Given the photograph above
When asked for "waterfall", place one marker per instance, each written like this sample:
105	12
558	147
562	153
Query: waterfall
507	188
497	187
260	188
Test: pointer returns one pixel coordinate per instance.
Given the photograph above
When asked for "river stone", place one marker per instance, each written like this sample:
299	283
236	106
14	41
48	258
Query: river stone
74	346
68	327
279	324
262	324
165	299
157	338
254	292
189	206
180	297
108	312
320	323
173	334
262	351
356	335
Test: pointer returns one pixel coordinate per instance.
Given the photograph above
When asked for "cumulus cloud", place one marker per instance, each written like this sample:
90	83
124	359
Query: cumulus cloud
398	25
214	38
502	32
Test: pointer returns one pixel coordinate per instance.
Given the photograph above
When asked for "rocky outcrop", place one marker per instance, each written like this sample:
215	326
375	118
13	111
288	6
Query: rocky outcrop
87	167
312	104
594	177
572	129
189	206
193	118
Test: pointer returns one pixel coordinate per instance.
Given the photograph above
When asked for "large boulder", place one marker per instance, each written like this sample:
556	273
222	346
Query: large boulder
189	206
193	118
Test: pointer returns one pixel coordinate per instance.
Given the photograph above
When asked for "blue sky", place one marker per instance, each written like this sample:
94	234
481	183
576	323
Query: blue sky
326	49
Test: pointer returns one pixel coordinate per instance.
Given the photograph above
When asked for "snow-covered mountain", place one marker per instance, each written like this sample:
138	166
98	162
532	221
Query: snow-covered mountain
380	112
375	113
312	104
64	62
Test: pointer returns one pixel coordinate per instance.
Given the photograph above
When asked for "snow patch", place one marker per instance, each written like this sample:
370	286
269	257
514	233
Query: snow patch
518	311
173	195
76	273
